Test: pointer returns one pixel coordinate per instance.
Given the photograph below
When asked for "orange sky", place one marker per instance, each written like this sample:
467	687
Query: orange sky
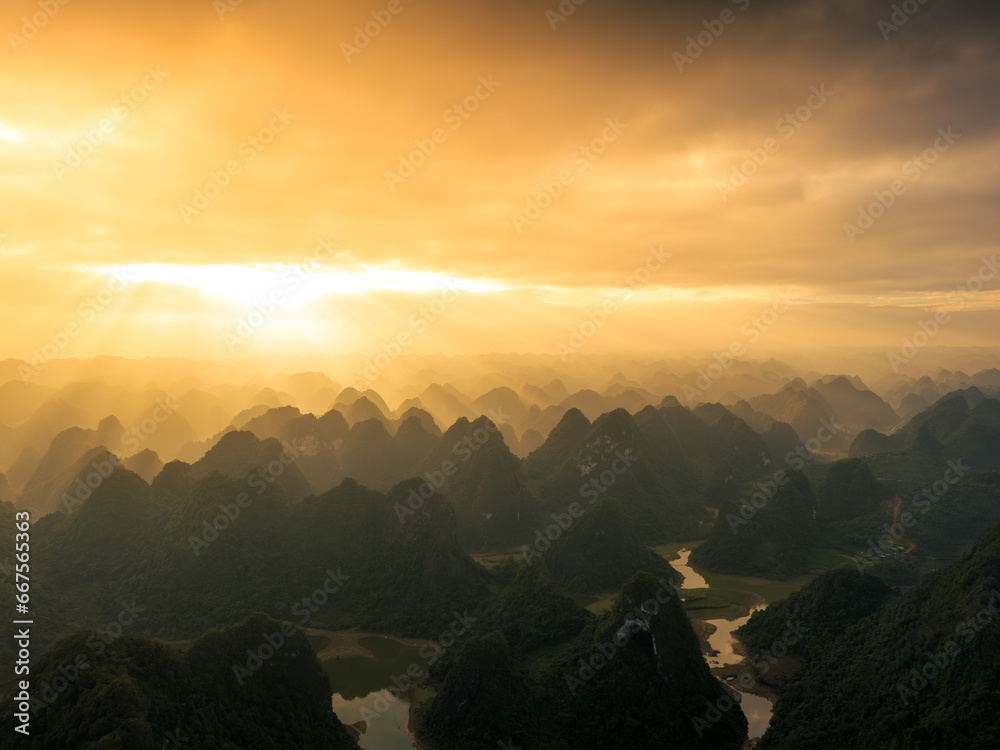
593	117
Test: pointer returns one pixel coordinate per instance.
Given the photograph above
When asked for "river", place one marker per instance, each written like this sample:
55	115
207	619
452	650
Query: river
757	709
361	682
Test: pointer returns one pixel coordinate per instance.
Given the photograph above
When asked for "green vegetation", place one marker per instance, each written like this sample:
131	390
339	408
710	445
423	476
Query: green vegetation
332	561
773	540
599	552
922	672
825	608
136	694
633	677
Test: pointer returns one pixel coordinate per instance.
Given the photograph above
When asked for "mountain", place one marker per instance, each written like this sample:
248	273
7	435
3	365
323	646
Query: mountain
824	609
57	469
803	408
485	483
565	439
197	554
590	402
350	396
205	412
599	552
240	455
413	442
271	422
445	403
634	677
530	612
363	410
779	437
502	400
21	470
531	440
19	399
312	390
318	440
145	463
425	417
920	672
131	693
160	430
582	462
849	490
652	685
963	424
738	454
481	701
37	432
856	408
770	535
368	456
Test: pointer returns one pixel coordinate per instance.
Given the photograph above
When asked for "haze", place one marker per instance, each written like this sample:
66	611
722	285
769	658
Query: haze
593	116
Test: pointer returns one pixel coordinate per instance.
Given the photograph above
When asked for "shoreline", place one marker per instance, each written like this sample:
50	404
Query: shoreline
347	643
417	696
342	643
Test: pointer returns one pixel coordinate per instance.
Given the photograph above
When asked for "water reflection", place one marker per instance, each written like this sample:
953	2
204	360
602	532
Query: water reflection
692	580
388	731
724	643
758	711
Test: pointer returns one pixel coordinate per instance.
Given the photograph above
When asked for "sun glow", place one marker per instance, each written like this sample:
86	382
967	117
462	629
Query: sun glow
10	134
245	284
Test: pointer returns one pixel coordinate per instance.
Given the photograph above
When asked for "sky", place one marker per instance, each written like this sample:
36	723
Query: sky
226	179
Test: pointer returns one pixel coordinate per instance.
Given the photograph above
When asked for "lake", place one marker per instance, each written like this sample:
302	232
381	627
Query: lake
360	685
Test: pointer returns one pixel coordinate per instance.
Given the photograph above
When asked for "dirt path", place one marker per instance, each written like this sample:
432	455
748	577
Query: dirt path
342	643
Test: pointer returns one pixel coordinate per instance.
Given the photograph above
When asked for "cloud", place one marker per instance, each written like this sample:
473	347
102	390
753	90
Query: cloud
656	184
